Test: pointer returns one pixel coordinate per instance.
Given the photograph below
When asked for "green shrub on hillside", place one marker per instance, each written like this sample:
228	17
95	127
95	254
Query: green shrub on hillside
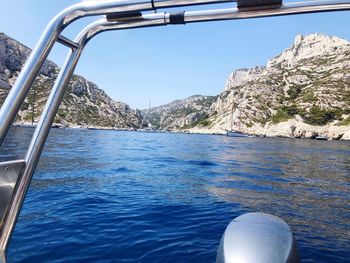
319	116
204	123
182	111
207	101
249	124
344	122
280	116
294	92
61	113
202	120
285	113
309	97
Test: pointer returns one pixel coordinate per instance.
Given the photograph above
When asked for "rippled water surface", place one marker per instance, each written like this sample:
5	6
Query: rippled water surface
108	196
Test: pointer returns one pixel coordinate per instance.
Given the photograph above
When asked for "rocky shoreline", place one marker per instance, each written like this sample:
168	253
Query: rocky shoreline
282	130
62	126
290	129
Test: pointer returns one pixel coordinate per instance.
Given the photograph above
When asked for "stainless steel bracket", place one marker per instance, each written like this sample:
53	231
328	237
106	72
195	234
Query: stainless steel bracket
10	172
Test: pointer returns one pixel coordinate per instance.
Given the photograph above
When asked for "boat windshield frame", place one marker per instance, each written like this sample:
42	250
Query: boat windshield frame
16	175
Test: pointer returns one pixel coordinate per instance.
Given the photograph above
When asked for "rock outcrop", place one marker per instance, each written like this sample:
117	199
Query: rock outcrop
179	114
84	104
303	92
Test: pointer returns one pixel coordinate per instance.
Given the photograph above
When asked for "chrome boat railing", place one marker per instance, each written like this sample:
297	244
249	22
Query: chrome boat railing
15	176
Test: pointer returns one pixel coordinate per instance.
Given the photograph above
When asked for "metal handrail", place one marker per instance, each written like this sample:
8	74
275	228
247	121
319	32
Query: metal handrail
134	20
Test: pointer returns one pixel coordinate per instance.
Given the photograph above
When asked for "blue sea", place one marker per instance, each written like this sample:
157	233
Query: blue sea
114	196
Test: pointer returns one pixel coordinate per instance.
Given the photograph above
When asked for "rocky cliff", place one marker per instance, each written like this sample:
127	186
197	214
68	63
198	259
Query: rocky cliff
303	92
179	114
84	104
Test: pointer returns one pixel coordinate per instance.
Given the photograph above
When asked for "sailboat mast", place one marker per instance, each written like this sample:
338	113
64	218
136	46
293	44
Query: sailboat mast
146	115
231	128
149	108
33	105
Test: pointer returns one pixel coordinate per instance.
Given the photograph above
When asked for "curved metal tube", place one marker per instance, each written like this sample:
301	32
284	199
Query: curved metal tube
285	9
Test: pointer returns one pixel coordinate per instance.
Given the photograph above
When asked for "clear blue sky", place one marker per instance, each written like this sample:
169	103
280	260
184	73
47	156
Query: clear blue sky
173	62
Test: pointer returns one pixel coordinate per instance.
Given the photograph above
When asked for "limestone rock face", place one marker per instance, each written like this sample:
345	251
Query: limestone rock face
242	76
179	114
303	92
310	46
84	104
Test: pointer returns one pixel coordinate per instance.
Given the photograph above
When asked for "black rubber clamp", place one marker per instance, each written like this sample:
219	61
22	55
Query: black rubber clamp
177	18
126	15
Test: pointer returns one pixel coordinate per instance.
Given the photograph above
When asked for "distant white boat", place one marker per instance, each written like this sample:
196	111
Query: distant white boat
148	128
321	138
234	133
